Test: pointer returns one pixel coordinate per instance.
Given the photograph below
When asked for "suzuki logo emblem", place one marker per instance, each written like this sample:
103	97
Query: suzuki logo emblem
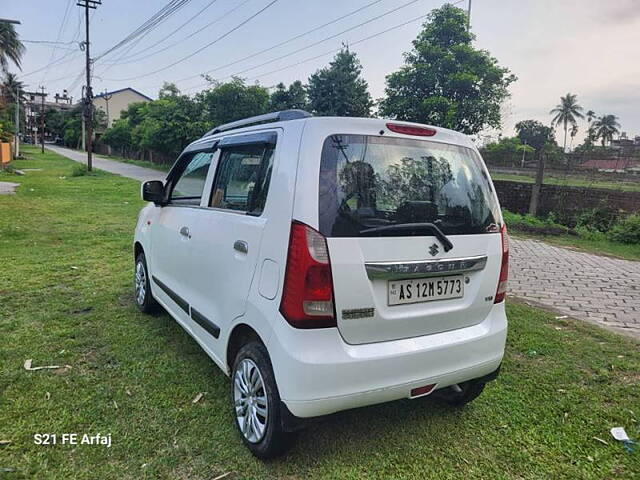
433	250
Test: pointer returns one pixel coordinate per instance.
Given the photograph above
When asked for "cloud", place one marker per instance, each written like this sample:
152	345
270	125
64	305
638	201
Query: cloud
621	11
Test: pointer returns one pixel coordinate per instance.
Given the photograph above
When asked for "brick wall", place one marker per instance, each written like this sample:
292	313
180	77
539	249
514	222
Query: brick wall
515	197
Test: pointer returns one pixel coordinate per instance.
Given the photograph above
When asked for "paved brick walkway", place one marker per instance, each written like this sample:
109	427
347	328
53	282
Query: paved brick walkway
589	287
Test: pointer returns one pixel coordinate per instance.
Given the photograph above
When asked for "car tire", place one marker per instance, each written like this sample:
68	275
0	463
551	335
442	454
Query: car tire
468	392
142	286
256	402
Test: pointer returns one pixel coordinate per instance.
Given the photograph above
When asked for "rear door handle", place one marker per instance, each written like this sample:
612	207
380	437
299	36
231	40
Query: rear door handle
184	231
241	246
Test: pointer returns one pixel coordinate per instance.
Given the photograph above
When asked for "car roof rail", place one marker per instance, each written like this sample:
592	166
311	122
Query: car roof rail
282	116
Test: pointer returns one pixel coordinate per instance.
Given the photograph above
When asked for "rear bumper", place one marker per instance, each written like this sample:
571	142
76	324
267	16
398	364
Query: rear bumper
318	373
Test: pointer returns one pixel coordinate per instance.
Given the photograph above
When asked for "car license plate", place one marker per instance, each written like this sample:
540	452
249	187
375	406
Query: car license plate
416	290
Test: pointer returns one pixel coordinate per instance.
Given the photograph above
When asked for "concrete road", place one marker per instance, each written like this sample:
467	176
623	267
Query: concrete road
141	174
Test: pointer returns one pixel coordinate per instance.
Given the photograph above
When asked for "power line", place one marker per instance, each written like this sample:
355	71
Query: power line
60	60
48	42
224	35
339	48
56	62
55	46
155	20
132	57
415	19
326	39
389	12
296	37
148	26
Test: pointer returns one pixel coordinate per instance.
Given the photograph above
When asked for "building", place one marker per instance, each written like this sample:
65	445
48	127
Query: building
113	103
33	107
626	145
612	165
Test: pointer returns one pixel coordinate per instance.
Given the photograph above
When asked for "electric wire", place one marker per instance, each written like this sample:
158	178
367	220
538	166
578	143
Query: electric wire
289	40
224	35
133	58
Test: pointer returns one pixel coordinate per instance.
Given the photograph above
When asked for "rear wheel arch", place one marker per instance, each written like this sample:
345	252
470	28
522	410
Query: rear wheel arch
137	250
239	336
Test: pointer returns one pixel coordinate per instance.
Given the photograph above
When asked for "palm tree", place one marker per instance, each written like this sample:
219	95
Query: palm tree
590	130
10	87
566	112
573	133
11	48
606	127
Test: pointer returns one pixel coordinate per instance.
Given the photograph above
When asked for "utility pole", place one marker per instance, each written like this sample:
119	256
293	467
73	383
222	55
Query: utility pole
107	97
88	99
42	120
17	149
83	123
469	16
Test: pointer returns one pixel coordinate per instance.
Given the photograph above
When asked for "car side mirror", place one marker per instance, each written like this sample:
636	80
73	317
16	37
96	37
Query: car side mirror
153	191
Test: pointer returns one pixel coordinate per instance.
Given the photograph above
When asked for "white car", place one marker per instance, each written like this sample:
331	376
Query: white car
329	263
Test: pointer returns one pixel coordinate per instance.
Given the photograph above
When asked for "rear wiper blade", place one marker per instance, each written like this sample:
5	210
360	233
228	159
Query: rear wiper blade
404	227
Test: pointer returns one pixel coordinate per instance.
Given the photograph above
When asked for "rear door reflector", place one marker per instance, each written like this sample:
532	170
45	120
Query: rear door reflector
422	391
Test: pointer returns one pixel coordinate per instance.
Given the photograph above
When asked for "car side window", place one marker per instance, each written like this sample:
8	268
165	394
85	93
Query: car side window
242	179
187	190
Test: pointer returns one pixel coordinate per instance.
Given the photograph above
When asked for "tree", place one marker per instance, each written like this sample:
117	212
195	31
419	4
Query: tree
508	151
605	127
168	90
339	89
68	124
11	48
227	102
166	125
445	81
54	121
534	133
566	113
284	98
573	133
10	88
119	136
539	136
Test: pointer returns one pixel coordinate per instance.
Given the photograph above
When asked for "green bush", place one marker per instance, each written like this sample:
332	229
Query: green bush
596	219
529	223
626	230
81	171
589	234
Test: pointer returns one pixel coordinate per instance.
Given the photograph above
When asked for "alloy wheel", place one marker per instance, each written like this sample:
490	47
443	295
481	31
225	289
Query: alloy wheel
140	283
250	401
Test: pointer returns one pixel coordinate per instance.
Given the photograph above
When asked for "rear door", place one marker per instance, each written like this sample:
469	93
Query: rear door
413	237
226	233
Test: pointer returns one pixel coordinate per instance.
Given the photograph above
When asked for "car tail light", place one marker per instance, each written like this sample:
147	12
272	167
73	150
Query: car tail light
307	297
411	130
501	292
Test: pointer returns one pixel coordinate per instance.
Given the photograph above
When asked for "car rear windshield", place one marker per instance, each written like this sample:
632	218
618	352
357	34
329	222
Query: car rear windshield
383	186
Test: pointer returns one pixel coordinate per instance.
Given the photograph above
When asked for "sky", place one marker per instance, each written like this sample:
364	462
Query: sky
586	47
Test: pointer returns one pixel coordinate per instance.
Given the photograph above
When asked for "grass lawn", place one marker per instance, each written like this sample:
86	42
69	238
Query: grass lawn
66	299
570	181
